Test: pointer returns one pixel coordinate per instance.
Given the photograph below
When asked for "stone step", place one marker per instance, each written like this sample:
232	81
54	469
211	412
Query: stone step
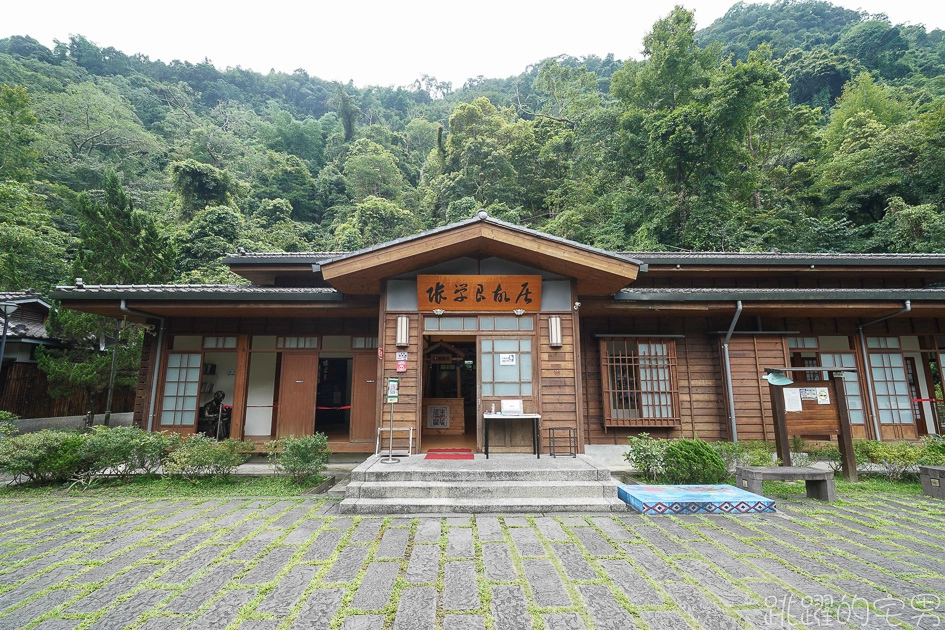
480	489
479	475
479	506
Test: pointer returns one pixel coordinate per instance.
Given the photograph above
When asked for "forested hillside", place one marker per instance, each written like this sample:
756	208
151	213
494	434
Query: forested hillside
796	125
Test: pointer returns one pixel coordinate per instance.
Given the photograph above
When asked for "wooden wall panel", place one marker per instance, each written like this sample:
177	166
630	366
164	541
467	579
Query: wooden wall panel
557	379
750	354
25	394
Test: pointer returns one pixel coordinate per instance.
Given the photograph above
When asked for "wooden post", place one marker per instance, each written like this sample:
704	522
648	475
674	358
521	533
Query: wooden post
781	441
845	439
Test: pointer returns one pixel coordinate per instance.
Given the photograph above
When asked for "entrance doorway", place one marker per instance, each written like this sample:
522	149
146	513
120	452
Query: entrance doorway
449	412
333	398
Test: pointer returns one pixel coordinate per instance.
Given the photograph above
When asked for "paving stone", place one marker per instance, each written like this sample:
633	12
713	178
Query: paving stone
634	585
575	565
343	523
729	524
526	542
39	606
406	522
762	619
731	565
324	546
251	549
185	546
463	622
318	610
219	510
652	564
291	517
376	587
416	609
516	521
303	531
671	527
509	608
595	544
108	569
126	612
234	517
363	622
489	528
347	565
805	546
856	526
459	543
604	608
550	528
782	605
281	599
664	620
118	544
658	539
927	562
39	583
203	589
100	598
730	594
793	579
457	521
574	521
394	543
877	577
259	624
613	529
269	566
858	589
161	623
424	564
58	624
691	600
459	586
498	562
733	544
31	569
42	548
545	583
872	557
242	531
189	567
563	621
367	530
428	531
223	611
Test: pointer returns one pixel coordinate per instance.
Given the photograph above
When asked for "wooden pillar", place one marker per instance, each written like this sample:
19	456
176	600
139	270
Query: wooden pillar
781	441
845	439
240	387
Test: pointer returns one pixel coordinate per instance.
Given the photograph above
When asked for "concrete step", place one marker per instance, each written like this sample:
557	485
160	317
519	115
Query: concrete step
479	475
479	506
480	489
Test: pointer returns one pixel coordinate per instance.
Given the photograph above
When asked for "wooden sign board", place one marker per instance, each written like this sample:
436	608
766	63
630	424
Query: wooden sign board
479	293
818	414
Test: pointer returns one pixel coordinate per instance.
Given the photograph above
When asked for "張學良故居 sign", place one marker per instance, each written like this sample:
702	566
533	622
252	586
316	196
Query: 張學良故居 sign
479	293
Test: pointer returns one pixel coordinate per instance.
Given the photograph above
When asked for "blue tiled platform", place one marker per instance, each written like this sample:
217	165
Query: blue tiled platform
693	500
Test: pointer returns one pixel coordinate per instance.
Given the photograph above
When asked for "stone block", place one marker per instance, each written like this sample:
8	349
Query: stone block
933	481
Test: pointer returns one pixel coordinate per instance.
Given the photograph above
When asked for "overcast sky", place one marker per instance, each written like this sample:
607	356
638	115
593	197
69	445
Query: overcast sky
380	43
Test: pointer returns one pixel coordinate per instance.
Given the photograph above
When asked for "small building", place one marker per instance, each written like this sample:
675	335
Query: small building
479	312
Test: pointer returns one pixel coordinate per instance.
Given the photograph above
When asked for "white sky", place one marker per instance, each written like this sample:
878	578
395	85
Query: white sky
380	42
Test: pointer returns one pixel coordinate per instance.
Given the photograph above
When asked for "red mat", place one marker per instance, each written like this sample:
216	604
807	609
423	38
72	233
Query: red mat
449	453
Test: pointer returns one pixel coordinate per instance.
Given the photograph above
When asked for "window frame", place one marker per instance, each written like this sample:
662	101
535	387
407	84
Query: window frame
662	395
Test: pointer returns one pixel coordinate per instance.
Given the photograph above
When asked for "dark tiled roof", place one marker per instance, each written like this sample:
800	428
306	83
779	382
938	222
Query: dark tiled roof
302	258
710	294
779	258
25	330
197	291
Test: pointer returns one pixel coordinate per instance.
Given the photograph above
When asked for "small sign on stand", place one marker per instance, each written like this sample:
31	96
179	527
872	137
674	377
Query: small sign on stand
393	395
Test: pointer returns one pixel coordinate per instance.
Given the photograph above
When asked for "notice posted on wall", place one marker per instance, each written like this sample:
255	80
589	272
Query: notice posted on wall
792	399
438	417
823	396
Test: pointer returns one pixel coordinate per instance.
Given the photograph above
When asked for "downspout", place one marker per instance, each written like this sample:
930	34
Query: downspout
866	363
727	364
157	358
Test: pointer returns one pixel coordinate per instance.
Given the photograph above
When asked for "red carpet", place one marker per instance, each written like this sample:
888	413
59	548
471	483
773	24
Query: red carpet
449	453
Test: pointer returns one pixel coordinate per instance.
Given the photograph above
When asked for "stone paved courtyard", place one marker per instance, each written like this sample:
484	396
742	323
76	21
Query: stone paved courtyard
867	562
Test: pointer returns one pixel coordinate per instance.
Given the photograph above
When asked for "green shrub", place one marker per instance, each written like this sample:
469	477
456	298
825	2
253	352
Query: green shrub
123	452
744	453
829	454
44	456
300	458
198	456
646	455
933	451
692	461
898	459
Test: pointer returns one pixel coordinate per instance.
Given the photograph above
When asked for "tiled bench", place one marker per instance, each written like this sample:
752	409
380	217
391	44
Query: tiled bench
819	482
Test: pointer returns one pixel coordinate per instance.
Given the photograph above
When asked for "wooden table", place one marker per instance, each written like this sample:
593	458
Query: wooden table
534	417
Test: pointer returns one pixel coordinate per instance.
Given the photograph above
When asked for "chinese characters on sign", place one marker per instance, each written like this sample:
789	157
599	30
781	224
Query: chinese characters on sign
438	417
479	293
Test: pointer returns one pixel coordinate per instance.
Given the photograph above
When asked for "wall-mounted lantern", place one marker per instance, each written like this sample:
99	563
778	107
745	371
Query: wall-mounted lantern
554	331
403	331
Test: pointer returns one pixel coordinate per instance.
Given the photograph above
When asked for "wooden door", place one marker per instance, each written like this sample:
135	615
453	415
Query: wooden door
297	389
506	371
364	398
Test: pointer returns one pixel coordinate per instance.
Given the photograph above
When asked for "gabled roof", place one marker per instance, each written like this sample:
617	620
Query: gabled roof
27	323
597	272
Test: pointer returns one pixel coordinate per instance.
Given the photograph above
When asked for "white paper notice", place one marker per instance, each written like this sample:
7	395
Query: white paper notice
823	396
792	399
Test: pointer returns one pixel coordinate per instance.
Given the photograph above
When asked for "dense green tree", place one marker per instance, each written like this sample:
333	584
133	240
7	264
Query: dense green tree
200	185
32	248
17	134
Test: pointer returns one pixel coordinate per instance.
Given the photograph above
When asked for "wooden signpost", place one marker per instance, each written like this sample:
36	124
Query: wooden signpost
812	408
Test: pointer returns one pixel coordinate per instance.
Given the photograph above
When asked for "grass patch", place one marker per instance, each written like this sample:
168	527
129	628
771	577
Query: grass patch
868	484
153	486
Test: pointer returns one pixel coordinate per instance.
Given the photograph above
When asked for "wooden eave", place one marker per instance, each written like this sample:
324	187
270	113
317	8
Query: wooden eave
597	273
356	306
822	309
926	272
265	275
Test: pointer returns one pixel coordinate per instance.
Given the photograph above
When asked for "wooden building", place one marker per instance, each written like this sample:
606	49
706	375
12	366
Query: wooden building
480	312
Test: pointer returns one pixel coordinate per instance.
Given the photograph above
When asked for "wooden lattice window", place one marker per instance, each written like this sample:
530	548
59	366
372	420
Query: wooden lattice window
639	382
